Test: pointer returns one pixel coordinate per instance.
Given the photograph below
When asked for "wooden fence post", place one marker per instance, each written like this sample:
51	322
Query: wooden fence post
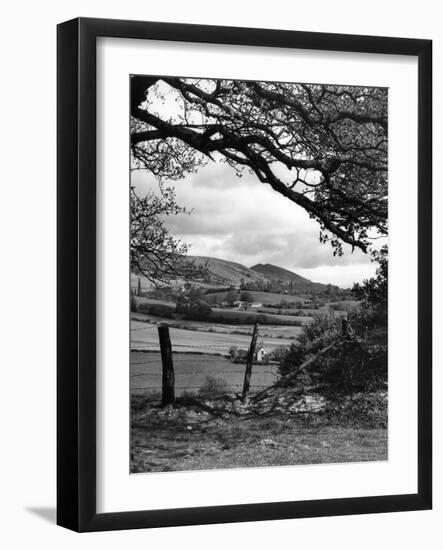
344	327
168	377
249	361
347	333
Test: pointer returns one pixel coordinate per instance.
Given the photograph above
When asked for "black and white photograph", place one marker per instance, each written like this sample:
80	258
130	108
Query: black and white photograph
226	330
258	273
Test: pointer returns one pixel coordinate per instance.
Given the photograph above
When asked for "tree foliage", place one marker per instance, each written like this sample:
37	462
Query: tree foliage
191	301
246	297
375	290
323	147
154	252
231	297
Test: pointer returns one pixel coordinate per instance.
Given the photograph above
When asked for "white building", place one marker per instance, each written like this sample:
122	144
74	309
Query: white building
261	353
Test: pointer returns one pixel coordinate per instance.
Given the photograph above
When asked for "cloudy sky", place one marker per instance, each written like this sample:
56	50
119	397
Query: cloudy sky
245	221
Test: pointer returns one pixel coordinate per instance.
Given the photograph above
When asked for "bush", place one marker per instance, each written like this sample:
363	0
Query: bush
344	306
213	387
133	303
198	310
246	297
278	353
233	351
211	299
357	364
159	310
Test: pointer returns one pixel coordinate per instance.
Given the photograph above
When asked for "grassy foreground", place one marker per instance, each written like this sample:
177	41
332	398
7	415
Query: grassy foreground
179	439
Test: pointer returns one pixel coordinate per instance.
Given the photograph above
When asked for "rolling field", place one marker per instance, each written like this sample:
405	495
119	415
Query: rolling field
144	336
271	331
191	370
250	316
148	306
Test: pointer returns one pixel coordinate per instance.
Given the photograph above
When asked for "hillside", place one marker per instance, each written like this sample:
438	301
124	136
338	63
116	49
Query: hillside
225	272
284	276
260	277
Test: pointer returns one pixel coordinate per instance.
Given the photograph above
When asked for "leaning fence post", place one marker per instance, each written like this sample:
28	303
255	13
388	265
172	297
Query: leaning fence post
346	333
249	361
344	327
168	377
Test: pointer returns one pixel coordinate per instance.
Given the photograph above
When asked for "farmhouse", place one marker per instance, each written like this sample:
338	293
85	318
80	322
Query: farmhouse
261	354
240	355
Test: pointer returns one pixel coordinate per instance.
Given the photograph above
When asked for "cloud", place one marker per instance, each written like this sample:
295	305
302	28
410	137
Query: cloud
344	276
243	220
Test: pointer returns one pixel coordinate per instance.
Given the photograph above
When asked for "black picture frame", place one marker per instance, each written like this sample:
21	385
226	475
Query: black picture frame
76	265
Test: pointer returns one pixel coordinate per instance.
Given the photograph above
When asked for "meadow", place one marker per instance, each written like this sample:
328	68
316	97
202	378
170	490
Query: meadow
192	371
223	315
181	439
144	336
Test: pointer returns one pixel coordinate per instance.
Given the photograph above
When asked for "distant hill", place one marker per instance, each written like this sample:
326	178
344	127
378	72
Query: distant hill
261	276
284	276
224	272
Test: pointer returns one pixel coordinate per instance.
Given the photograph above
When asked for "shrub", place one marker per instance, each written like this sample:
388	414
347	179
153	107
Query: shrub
198	310
133	303
357	364
278	353
211	299
213	387
344	306
233	351
246	297
159	310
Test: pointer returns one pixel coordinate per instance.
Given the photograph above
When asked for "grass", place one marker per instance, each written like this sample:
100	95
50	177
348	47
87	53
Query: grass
145	337
182	439
272	330
250	316
160	308
153	301
192	370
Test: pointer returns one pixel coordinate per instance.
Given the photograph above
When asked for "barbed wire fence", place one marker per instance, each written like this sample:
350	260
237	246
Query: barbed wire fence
243	372
152	368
